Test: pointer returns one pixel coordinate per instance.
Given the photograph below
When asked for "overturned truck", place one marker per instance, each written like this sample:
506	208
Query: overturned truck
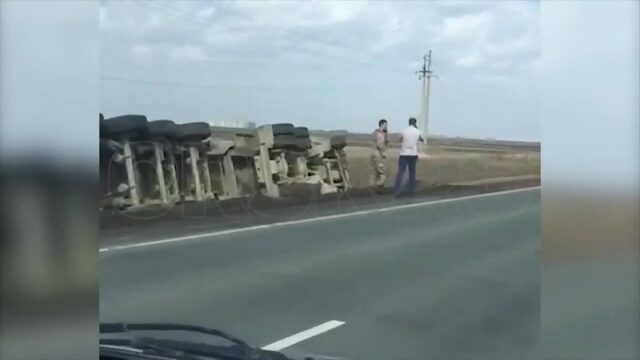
160	162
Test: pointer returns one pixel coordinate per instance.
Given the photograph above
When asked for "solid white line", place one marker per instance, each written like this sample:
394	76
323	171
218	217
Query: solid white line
303	335
118	347
309	220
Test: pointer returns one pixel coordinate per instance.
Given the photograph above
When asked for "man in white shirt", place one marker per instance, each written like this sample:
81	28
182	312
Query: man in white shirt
408	157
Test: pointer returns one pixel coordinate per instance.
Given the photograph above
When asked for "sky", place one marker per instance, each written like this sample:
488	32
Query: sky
325	64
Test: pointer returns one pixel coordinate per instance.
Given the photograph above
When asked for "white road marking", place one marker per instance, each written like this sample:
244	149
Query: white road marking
309	220
117	347
303	335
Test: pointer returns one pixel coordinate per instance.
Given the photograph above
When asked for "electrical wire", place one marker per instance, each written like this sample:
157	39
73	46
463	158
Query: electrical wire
208	86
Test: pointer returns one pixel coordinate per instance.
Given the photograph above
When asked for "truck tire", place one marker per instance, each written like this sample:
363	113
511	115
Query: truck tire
304	143
338	141
101	130
285	142
301	132
125	124
282	129
161	128
193	131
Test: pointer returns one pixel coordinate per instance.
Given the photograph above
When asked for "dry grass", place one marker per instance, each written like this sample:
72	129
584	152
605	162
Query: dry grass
446	167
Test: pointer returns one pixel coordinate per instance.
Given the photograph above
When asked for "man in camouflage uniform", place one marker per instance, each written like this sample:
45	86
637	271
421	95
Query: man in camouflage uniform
379	155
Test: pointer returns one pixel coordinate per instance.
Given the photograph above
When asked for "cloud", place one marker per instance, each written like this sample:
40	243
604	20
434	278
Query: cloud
189	53
392	32
472	60
501	38
291	14
102	16
141	51
205	13
465	27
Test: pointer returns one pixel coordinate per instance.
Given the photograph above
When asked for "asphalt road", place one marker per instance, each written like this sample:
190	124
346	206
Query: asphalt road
456	279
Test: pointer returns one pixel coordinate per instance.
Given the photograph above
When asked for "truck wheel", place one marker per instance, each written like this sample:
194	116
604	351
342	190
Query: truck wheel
193	131
282	129
285	142
301	132
125	124
338	141
161	128
101	130
304	143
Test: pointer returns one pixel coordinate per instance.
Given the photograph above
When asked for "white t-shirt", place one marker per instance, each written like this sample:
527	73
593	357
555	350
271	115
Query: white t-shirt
410	139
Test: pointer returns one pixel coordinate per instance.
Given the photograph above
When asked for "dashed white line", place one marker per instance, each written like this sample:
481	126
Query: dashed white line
308	220
303	335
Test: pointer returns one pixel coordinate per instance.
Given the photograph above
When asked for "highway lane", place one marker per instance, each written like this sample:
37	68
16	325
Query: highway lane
455	279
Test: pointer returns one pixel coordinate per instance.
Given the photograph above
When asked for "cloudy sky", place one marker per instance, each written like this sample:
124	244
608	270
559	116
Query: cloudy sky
325	64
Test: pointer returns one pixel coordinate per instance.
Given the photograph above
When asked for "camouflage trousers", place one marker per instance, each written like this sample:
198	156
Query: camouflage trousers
379	169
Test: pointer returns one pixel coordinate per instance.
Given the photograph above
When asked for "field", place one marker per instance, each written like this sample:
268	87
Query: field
451	161
453	143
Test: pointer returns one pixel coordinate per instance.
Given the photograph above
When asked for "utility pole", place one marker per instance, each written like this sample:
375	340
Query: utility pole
425	74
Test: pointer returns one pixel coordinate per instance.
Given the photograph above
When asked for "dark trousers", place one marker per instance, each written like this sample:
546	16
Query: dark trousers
406	163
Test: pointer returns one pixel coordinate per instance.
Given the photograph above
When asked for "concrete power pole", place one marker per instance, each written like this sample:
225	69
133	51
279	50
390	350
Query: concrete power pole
425	74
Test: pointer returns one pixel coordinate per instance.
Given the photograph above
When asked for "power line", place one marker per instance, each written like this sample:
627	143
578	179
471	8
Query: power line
206	86
107	50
